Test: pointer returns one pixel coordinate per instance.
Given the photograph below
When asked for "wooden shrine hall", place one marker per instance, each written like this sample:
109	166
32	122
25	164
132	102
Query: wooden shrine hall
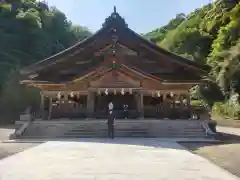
118	65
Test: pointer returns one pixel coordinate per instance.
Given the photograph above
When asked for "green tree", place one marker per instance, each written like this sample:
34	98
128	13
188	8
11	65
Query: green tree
160	33
230	70
31	31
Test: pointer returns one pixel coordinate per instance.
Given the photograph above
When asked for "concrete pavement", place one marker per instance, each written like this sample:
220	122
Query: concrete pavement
5	132
131	158
229	130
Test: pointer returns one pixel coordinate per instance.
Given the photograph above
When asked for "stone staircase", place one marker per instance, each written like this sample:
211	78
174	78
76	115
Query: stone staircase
100	130
123	128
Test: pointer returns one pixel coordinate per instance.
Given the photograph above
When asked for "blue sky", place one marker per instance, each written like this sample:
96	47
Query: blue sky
141	15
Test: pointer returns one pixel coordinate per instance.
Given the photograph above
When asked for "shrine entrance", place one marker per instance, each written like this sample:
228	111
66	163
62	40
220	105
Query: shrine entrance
119	100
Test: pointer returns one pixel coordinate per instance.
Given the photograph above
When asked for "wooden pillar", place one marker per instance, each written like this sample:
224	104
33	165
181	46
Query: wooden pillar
181	100
90	104
165	106
65	97
140	105
174	101
50	109
42	105
188	100
181	105
189	104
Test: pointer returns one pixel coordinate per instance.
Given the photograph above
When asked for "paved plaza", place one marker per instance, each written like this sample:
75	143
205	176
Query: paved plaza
103	159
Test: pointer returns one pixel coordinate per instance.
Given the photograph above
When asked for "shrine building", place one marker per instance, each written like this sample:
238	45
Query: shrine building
114	65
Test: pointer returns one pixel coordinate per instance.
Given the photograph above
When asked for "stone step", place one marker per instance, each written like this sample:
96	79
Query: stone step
116	135
123	128
166	133
136	132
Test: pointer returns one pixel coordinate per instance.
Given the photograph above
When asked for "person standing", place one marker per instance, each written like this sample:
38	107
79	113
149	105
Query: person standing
110	121
125	109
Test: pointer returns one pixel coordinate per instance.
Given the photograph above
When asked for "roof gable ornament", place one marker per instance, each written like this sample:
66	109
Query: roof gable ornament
115	18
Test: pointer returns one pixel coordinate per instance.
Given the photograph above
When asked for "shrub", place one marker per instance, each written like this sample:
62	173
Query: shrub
15	98
226	110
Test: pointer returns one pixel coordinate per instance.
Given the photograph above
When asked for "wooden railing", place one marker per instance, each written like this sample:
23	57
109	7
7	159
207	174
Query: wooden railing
69	113
118	114
171	113
149	112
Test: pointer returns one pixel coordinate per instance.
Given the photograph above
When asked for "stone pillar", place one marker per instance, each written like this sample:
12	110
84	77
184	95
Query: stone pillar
90	104
50	109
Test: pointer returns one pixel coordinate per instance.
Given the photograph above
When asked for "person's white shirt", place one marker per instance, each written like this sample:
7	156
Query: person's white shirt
110	106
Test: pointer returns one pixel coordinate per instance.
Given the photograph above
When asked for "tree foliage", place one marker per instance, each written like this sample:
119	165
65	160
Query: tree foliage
31	31
160	33
209	35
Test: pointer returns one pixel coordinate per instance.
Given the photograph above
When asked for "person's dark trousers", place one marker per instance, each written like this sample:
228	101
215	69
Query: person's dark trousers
111	131
126	114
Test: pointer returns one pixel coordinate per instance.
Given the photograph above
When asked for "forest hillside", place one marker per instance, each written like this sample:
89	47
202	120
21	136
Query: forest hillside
209	35
30	31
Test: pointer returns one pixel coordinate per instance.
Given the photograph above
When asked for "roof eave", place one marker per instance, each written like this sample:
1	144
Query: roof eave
60	56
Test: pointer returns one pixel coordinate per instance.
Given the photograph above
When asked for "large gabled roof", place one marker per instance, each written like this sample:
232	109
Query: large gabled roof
122	33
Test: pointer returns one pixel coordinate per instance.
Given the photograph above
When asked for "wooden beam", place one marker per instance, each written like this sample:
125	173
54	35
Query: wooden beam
93	73
102	50
179	83
143	75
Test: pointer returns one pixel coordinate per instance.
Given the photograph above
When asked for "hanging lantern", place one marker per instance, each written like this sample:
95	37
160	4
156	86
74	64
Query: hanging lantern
122	91
130	91
71	94
59	95
115	92
113	64
106	91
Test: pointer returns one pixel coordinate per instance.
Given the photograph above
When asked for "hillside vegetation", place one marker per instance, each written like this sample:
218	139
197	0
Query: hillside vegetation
209	35
29	32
